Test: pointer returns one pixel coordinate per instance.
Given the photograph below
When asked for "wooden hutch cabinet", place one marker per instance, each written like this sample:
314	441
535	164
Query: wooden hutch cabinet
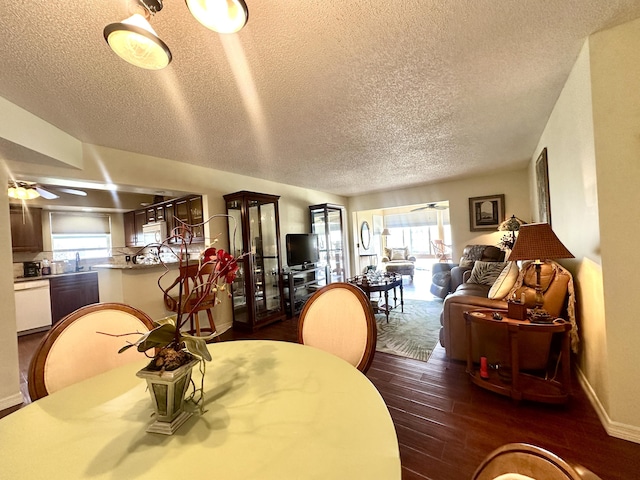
254	229
327	221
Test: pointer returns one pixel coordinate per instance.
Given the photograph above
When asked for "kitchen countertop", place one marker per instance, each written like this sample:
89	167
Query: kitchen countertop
46	277
137	266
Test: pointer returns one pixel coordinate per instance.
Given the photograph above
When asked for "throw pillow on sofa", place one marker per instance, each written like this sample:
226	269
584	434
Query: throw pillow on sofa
398	254
505	282
486	273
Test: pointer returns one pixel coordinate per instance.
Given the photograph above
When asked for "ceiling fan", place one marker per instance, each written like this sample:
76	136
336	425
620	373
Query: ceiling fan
431	206
29	190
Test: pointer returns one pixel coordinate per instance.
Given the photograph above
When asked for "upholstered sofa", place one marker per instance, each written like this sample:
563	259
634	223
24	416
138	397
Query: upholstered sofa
399	260
557	287
446	277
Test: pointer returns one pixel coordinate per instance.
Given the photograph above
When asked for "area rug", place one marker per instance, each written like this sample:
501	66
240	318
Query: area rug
412	334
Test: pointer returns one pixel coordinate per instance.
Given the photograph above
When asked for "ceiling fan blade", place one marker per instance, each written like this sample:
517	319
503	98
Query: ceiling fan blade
419	208
73	191
46	193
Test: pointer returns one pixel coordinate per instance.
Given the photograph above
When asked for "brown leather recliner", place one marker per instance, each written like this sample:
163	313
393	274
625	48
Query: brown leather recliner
534	350
446	277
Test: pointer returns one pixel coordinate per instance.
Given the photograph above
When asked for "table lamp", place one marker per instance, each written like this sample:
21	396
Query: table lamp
537	242
510	225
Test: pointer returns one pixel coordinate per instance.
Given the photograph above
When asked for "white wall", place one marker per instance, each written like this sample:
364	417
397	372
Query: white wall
594	173
513	184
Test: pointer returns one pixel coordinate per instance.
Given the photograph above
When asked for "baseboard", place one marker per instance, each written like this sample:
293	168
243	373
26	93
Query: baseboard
614	429
11	401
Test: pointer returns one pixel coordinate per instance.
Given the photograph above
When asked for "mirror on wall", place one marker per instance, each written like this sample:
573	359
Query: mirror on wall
365	235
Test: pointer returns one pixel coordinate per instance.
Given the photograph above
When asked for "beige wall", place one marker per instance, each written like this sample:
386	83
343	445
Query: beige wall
593	151
513	184
615	70
9	373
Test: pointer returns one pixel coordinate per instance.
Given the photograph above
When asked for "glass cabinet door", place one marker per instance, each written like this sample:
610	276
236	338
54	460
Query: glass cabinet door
326	222
238	287
257	292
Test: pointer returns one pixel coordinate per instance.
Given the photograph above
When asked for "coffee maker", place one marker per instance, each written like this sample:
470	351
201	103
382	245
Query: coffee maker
31	269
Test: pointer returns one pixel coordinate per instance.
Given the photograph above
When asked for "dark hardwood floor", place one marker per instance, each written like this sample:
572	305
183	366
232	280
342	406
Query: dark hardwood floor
446	425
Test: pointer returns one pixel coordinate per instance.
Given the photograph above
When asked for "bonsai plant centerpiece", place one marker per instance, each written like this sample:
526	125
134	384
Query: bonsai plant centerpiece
176	352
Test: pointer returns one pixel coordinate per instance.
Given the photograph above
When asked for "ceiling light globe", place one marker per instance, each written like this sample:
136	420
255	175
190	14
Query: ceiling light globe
135	41
222	16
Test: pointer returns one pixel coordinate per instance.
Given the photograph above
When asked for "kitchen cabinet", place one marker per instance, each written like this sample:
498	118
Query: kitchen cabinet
187	209
254	229
26	228
133	222
70	292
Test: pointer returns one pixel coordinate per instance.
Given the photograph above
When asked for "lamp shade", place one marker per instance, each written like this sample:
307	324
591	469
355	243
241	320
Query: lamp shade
222	16
536	241
385	232
135	41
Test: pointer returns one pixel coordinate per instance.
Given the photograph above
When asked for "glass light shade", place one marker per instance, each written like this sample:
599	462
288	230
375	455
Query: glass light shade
22	193
222	16
135	41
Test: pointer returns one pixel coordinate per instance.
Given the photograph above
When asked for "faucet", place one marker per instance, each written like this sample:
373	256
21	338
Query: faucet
78	267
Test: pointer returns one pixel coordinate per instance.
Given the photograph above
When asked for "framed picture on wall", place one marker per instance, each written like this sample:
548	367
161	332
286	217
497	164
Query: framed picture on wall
542	187
486	213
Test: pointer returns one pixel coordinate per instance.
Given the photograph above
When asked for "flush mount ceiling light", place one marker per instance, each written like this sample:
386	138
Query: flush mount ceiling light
222	16
135	41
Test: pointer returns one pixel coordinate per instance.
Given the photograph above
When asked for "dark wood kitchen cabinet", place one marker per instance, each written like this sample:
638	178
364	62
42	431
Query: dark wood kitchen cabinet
26	229
70	292
188	209
133	222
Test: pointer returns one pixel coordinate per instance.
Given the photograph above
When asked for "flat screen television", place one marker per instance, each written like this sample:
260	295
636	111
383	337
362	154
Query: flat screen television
302	249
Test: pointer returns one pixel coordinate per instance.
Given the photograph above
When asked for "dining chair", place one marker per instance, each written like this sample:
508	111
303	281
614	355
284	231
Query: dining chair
339	319
521	461
77	348
197	298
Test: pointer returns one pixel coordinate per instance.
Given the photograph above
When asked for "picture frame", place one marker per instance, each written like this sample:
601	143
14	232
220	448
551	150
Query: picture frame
486	213
542	187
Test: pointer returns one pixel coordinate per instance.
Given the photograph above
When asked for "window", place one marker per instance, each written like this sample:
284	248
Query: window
416	230
83	233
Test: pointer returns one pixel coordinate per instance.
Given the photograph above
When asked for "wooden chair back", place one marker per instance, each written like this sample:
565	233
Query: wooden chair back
339	319
73	350
196	296
522	461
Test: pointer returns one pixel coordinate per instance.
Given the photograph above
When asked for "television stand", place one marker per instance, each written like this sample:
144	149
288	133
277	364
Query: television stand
299	284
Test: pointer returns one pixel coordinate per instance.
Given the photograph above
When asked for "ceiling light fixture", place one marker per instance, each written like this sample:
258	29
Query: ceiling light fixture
222	16
135	41
22	191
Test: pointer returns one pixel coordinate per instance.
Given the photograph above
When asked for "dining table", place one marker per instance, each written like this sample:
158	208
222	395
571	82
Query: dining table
272	410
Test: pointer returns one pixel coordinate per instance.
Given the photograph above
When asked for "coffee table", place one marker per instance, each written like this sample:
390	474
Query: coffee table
378	282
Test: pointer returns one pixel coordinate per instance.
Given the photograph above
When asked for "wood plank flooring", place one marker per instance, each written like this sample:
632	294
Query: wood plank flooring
446	425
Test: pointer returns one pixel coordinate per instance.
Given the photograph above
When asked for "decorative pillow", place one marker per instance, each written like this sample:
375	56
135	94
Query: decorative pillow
398	254
486	273
503	285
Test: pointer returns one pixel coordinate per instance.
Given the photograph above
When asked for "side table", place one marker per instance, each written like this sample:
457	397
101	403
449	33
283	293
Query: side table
516	384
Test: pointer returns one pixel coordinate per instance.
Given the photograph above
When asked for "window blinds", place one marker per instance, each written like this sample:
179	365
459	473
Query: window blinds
80	223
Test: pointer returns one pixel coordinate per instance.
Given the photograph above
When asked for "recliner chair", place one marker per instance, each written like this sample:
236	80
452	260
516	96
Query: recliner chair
446	277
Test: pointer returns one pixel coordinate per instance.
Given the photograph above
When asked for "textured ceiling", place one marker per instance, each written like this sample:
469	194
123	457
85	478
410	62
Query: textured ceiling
319	94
